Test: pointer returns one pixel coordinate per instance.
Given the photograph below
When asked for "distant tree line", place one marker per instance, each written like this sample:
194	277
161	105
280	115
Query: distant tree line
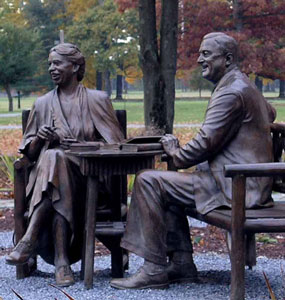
257	25
156	40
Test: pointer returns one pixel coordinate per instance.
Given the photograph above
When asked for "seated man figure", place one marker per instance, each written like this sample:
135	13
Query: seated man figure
56	188
236	130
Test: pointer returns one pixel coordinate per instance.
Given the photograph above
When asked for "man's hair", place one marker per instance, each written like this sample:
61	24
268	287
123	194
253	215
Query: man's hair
72	54
226	43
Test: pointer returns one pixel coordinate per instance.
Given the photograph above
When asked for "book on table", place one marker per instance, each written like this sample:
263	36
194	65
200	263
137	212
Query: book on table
142	143
136	144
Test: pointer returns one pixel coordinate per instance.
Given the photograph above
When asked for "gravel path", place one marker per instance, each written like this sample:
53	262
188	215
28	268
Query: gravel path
214	274
9	115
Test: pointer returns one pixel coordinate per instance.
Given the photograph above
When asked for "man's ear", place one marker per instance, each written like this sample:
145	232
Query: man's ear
229	59
75	68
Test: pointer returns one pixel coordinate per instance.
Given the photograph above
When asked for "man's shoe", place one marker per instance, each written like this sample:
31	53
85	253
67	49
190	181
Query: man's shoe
21	253
178	273
141	280
64	276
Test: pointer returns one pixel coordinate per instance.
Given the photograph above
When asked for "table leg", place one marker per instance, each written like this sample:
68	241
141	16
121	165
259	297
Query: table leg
116	250
90	223
116	198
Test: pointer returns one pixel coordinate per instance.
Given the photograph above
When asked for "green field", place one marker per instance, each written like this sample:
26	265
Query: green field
135	95
185	111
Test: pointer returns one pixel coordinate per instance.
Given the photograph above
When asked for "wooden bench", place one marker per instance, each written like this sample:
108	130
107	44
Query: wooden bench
241	224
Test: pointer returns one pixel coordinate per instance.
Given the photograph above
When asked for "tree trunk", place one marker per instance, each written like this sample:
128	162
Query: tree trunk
119	87
10	98
19	99
258	83
267	88
99	83
168	54
149	59
282	89
126	86
108	85
238	15
158	72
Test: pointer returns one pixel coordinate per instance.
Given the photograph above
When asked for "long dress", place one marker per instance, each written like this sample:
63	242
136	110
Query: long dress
57	175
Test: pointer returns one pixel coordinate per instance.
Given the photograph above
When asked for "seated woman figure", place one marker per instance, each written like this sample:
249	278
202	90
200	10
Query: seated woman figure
56	188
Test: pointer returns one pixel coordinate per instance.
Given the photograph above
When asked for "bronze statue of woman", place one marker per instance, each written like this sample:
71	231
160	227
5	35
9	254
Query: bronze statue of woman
56	187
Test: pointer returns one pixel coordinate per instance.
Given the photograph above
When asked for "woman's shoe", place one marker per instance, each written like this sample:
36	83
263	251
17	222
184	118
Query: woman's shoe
21	253
64	276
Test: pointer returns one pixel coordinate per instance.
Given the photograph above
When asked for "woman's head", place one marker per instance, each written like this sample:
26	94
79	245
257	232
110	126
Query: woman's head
71	53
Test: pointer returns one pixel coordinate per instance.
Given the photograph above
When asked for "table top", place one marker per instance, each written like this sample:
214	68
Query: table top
113	153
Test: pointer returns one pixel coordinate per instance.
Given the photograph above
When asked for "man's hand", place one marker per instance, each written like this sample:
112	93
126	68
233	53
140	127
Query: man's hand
47	133
170	144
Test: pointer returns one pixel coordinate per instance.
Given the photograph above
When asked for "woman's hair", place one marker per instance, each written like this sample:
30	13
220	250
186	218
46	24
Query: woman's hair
72	54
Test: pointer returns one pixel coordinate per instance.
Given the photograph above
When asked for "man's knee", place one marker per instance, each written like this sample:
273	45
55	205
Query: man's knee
147	177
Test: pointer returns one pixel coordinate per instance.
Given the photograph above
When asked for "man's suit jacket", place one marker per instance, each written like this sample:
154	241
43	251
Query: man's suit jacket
236	130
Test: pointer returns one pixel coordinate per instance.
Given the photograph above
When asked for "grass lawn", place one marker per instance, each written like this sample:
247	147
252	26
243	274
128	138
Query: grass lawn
185	111
280	108
26	103
138	95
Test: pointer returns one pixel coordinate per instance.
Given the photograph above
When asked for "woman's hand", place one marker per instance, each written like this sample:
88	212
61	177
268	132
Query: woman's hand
170	144
47	133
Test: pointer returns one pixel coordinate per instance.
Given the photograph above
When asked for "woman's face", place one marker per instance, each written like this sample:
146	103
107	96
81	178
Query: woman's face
61	70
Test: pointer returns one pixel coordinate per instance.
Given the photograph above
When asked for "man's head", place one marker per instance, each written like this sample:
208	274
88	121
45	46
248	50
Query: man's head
65	61
218	55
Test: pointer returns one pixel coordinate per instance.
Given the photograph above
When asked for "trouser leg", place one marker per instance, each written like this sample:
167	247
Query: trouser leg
154	192
178	233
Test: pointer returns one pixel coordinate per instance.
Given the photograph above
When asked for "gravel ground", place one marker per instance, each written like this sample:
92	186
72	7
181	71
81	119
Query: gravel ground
214	274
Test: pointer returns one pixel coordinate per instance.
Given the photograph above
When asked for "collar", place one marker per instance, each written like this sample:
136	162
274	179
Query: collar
224	79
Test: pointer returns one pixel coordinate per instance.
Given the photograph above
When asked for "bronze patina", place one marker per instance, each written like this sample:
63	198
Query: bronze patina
56	188
235	129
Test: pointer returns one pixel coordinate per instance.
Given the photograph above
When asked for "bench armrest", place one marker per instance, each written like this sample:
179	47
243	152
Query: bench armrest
22	162
277	128
21	167
255	170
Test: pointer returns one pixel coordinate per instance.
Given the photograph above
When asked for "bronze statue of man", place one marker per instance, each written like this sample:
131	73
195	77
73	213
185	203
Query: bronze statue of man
236	130
56	188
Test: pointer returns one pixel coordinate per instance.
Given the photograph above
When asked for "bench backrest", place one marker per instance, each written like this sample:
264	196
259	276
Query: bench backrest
121	116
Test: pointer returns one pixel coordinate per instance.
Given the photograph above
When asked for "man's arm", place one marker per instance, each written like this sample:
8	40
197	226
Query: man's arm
222	121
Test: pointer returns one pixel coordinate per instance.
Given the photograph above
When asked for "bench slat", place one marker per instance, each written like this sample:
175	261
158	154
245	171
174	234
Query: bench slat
257	220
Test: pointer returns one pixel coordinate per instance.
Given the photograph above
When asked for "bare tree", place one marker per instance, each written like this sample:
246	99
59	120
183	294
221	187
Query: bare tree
158	63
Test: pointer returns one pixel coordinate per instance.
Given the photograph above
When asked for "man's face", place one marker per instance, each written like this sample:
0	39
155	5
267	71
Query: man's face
60	69
212	60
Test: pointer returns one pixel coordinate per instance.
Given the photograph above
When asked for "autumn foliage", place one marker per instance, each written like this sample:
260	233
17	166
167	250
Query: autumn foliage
258	25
